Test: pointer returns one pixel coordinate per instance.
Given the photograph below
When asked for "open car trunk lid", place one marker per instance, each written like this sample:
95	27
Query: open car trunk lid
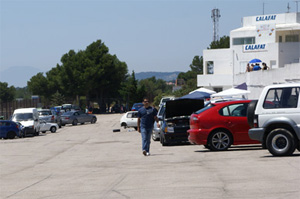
182	107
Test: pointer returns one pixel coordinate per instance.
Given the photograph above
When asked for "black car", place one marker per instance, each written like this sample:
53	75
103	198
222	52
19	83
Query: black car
176	120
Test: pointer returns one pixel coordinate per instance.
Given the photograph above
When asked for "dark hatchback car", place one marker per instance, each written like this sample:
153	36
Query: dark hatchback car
137	106
10	129
176	120
75	117
220	125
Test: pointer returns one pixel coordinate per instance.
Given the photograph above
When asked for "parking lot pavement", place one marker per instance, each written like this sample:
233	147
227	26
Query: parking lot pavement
91	161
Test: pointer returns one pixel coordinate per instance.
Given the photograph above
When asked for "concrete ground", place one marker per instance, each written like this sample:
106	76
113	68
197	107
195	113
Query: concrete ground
91	161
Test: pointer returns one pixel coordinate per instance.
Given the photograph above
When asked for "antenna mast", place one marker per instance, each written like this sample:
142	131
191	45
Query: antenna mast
296	5
215	15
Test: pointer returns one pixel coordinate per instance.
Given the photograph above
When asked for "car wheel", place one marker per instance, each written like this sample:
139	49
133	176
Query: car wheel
11	135
207	146
53	129
124	125
94	120
74	122
280	142
135	128
220	140
154	138
82	123
163	142
250	112
43	131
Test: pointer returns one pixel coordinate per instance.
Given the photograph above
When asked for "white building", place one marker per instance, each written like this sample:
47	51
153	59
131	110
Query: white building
274	39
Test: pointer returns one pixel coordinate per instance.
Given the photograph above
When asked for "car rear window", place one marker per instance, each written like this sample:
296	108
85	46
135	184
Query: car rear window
204	109
67	113
282	98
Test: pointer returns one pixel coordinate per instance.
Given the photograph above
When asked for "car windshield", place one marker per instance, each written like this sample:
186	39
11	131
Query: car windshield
204	109
45	113
161	110
23	116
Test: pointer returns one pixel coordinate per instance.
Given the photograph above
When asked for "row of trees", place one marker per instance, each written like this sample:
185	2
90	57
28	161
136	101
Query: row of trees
94	75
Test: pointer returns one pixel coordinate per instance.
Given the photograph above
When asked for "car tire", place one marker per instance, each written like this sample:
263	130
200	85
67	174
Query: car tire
124	125
74	123
220	140
53	129
281	142
154	138
43	131
11	135
251	112
163	142
94	119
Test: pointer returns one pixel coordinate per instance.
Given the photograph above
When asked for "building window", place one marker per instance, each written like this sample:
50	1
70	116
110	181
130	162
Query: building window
210	67
280	39
292	38
243	40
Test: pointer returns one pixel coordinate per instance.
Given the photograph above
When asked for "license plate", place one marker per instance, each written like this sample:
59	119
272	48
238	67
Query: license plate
170	129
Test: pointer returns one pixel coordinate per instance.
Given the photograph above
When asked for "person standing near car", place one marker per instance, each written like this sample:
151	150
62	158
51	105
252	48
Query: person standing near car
146	117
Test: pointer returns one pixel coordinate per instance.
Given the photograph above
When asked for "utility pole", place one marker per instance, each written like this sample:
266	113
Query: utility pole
288	8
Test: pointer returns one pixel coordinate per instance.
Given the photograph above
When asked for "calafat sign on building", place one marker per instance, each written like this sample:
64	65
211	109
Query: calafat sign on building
254	48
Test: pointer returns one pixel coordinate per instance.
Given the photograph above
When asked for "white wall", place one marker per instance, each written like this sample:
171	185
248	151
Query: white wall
257	80
223	67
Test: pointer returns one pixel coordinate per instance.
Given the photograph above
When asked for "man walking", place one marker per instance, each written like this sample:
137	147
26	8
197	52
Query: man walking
146	117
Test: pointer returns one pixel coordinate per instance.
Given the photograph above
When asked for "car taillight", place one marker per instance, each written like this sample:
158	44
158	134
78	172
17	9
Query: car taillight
194	122
255	121
52	118
67	118
17	126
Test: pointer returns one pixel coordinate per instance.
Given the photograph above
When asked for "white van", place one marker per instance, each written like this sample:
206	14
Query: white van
29	118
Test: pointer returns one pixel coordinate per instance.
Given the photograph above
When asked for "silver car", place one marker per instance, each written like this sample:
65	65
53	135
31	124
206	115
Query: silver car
75	117
50	116
156	131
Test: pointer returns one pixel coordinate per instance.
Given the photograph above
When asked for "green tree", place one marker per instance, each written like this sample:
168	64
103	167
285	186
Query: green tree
38	85
128	90
7	94
223	42
57	99
197	65
23	93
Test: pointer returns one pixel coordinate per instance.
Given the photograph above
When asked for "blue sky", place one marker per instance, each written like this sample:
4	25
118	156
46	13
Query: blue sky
149	35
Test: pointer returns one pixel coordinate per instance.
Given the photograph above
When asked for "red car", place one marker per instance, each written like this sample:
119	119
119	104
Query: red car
220	125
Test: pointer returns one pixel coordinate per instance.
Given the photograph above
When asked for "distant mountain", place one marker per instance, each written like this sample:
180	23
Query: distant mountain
167	76
18	76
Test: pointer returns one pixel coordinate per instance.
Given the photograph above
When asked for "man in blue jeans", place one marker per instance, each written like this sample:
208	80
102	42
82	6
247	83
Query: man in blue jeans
146	117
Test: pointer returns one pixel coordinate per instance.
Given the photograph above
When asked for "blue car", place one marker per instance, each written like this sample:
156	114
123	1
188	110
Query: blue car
137	106
9	129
